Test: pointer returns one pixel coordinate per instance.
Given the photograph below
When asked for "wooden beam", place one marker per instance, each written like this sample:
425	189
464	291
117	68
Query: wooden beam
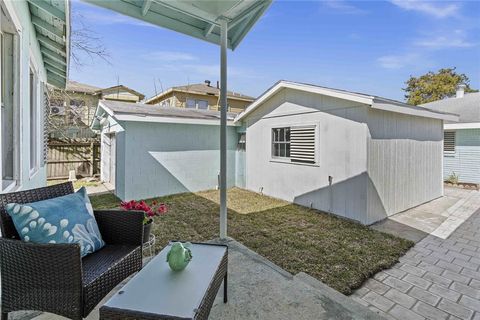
254	8
46	41
242	32
49	9
146	6
208	29
50	65
56	80
156	18
54	63
47	27
55	71
53	55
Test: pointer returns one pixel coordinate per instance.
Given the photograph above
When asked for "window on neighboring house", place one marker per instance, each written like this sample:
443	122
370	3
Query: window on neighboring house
449	141
202	104
8	116
190	103
197	104
34	134
296	144
76	109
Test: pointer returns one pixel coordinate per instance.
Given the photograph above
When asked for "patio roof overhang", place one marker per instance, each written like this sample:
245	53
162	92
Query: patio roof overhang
199	19
51	20
222	22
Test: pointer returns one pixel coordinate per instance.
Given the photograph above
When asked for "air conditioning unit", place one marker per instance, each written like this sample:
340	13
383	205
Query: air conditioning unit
57	110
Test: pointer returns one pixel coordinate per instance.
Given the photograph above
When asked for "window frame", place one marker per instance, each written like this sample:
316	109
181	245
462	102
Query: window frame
35	125
15	29
317	144
195	103
280	143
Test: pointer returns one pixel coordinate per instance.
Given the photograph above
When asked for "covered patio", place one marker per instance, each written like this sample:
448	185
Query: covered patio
259	289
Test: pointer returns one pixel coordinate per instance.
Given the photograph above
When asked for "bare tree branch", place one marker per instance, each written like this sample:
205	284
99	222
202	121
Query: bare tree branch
85	42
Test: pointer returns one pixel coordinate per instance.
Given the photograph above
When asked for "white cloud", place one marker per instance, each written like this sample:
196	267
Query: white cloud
435	9
457	39
399	61
343	7
169	56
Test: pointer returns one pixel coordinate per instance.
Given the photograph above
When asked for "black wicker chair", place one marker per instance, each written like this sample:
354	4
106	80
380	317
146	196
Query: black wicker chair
53	277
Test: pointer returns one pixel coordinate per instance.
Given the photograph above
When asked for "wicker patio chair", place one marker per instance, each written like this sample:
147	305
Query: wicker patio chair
53	277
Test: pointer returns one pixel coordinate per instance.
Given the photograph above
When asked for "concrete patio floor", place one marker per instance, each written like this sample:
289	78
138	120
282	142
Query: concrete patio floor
258	289
439	217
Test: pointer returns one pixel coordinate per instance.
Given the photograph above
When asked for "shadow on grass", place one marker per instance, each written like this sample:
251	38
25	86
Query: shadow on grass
338	252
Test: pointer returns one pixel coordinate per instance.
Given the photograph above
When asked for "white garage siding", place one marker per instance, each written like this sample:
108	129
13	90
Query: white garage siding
341	153
381	162
404	162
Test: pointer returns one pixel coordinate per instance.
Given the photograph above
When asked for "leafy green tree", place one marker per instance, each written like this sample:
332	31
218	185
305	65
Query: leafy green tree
434	86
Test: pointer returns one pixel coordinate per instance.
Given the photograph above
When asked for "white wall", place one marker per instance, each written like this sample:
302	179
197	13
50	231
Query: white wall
156	159
404	162
381	162
342	153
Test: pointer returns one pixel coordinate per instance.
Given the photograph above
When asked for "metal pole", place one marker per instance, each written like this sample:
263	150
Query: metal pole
223	129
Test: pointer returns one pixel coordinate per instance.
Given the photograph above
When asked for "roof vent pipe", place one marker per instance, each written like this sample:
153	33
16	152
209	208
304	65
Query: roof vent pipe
207	82
218	84
460	90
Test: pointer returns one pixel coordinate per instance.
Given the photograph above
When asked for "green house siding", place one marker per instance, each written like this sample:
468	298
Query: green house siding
465	162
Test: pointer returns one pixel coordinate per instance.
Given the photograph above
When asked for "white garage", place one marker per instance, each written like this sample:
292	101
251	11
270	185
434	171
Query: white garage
359	156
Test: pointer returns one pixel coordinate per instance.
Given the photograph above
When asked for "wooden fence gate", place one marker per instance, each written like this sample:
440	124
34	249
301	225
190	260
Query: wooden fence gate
83	157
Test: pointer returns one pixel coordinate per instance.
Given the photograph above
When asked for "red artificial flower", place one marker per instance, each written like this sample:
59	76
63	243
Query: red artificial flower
155	209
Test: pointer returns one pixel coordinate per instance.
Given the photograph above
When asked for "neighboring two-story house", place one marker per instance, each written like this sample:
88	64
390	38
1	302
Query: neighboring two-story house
203	96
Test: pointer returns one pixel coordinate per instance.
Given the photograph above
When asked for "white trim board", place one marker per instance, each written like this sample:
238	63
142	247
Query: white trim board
162	119
371	101
453	126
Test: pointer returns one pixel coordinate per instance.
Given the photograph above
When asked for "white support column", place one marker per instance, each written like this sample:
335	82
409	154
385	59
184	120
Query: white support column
223	129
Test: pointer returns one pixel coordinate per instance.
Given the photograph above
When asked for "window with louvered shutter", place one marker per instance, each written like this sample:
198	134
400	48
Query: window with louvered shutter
296	144
449	142
302	144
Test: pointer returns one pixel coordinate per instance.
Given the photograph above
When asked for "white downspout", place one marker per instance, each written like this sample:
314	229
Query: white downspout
223	128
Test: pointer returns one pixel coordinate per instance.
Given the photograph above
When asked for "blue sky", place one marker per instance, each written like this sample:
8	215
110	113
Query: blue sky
365	46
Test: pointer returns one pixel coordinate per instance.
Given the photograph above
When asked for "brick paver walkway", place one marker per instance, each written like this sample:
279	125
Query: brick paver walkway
437	279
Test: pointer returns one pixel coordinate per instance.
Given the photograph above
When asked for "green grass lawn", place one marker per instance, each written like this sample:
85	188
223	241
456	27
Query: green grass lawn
338	252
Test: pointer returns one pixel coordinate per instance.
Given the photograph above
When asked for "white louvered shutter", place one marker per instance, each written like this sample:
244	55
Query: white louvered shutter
302	144
44	123
449	141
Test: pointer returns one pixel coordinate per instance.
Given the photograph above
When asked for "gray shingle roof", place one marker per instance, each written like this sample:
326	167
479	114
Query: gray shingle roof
468	107
203	88
124	108
81	87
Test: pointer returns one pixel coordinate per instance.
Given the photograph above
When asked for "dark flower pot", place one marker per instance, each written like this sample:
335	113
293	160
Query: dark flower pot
147	229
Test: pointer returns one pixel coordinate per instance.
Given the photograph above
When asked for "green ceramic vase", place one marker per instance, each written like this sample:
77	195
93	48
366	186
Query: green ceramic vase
179	256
